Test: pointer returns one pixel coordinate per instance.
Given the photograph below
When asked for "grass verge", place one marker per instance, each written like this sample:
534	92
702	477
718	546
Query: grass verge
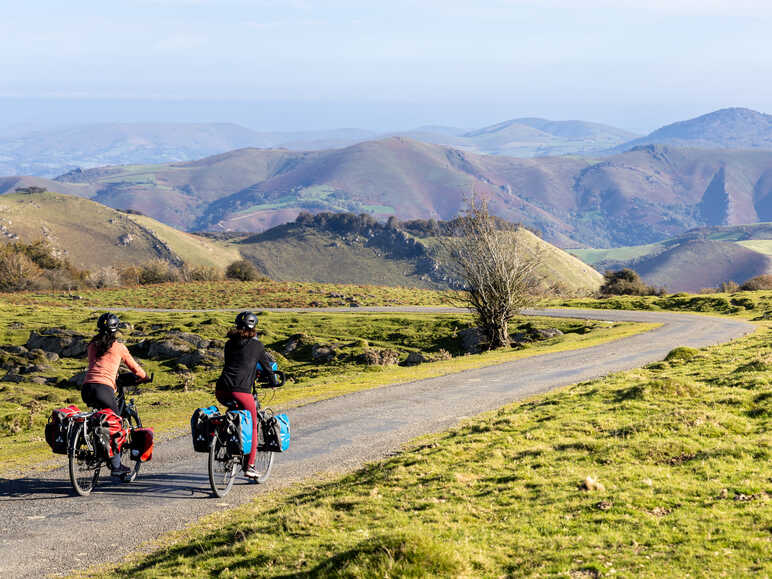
659	471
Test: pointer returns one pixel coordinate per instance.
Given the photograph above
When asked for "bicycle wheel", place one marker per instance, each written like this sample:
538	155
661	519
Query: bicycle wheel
222	467
134	422
84	466
263	459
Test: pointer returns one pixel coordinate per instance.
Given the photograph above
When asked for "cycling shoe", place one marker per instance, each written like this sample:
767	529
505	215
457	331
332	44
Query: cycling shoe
251	472
120	471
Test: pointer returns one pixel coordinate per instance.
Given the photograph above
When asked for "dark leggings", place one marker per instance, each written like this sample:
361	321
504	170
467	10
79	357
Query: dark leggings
99	396
245	402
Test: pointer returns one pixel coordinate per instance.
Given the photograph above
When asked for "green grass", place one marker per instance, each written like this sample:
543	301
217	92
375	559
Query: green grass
760	245
755	305
235	294
655	472
615	254
167	405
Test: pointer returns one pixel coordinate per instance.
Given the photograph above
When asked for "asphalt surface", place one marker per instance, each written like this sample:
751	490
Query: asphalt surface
45	529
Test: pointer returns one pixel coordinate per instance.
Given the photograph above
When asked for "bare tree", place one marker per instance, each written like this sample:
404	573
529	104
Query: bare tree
498	270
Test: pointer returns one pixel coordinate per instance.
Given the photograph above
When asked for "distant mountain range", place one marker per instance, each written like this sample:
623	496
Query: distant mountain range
49	153
644	195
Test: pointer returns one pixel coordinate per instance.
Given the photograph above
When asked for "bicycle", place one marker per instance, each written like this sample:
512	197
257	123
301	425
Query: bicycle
85	461
225	457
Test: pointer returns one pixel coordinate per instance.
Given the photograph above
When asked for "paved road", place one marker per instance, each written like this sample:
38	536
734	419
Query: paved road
44	529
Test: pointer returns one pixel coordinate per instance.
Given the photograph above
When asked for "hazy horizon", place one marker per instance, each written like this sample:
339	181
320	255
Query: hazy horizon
298	65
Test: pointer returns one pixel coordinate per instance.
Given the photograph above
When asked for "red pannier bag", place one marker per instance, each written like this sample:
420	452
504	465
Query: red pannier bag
141	444
58	427
108	428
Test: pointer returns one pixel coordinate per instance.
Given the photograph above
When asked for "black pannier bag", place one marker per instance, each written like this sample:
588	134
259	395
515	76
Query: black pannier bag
58	427
201	427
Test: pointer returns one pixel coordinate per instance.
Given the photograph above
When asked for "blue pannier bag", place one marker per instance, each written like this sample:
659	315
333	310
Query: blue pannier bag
201	427
239	431
276	433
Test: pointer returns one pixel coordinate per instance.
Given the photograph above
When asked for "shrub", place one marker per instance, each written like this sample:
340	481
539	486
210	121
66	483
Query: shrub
201	273
150	272
17	271
760	282
104	277
242	270
728	287
627	282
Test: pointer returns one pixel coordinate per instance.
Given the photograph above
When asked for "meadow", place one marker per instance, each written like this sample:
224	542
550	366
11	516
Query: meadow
178	389
661	471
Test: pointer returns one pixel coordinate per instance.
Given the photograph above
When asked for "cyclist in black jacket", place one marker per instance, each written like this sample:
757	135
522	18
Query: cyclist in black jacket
243	351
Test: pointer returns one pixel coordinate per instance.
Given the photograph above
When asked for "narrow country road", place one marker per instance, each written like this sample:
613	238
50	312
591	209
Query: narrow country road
45	529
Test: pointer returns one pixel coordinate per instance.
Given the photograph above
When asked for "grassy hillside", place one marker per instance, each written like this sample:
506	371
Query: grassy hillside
391	257
91	235
190	248
654	472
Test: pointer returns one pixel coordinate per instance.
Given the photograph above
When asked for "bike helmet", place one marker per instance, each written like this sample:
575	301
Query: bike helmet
108	323
246	321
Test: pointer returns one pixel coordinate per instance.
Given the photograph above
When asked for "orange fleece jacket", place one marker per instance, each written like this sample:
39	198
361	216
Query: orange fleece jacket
104	369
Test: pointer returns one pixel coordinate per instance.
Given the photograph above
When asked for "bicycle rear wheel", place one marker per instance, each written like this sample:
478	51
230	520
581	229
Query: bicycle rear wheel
222	467
84	466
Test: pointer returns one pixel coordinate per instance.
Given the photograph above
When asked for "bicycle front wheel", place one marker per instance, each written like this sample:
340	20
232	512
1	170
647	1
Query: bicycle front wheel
84	466
263	459
133	422
222	467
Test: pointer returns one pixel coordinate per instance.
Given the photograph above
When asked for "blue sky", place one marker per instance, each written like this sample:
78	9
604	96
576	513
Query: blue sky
391	64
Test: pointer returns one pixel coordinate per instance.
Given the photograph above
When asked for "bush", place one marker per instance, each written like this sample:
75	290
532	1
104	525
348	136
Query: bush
17	271
104	277
201	273
627	282
728	287
760	282
681	354
242	270
158	271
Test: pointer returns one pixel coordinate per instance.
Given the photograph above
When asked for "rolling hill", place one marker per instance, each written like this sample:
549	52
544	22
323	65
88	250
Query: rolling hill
357	250
91	235
732	128
700	258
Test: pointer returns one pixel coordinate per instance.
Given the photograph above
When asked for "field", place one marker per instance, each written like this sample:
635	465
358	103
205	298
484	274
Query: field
35	384
656	472
235	295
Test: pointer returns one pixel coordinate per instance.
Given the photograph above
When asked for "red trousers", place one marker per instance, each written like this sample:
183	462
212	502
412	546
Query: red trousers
245	402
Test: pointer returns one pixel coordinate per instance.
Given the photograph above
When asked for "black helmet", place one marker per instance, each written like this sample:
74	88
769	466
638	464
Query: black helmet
246	321
108	323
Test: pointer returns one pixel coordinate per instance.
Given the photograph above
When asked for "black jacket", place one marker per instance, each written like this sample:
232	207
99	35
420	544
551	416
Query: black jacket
241	358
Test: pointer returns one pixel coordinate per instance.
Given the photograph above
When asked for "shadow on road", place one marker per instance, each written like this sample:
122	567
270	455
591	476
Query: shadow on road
150	486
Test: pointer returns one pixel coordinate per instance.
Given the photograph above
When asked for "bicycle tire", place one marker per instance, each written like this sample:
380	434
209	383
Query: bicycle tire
263	459
83	475
134	422
222	467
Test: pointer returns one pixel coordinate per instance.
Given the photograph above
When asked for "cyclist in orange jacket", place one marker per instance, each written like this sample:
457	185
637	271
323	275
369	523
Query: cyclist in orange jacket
105	354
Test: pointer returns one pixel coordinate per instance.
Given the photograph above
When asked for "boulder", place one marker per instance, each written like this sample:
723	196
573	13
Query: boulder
547	333
322	353
62	342
12	377
200	357
167	348
414	359
385	357
77	380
